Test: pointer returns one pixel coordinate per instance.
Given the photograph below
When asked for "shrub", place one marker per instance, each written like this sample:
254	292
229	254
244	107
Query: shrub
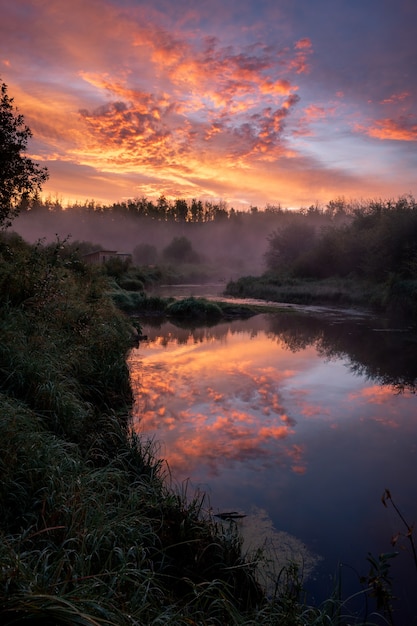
131	284
145	254
195	309
180	250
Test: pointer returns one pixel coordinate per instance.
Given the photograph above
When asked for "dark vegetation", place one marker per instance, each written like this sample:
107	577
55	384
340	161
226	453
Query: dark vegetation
91	530
203	241
20	177
370	259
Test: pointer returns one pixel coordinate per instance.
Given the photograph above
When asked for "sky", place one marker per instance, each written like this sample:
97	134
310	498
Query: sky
250	102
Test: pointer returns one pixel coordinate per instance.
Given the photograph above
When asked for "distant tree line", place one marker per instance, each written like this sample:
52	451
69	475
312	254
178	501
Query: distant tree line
370	240
377	242
186	211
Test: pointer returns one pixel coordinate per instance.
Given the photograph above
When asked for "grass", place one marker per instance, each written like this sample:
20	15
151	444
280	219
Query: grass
329	291
191	310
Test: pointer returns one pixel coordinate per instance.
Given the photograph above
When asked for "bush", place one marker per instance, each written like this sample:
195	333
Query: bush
131	284
195	309
180	250
145	254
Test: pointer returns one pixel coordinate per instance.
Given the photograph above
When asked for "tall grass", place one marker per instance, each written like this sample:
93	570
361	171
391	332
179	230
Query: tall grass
331	291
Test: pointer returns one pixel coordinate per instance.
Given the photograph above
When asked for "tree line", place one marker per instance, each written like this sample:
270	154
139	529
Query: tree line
378	242
183	210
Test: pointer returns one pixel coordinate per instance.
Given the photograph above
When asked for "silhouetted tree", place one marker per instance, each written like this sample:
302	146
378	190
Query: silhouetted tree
20	177
288	244
180	210
180	250
196	210
145	254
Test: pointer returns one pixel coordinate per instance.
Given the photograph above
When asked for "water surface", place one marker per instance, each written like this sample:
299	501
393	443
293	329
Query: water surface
300	421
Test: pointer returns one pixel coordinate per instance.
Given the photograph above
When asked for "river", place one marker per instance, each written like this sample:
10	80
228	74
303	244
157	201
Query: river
299	420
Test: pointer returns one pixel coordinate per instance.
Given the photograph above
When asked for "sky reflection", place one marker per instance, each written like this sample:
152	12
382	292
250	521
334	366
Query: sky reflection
291	416
215	403
241	400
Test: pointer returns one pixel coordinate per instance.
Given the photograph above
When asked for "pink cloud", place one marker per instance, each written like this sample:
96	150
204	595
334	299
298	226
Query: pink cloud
375	394
304	49
396	97
403	128
212	96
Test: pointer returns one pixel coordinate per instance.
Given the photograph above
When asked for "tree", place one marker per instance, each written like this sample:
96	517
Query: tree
145	254
20	177
288	244
180	250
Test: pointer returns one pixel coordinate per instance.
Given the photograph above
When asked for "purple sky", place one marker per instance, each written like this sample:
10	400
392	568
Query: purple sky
250	101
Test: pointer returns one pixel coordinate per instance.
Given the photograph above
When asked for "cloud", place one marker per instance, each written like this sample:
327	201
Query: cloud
146	99
304	49
396	97
231	101
375	394
209	100
214	411
402	129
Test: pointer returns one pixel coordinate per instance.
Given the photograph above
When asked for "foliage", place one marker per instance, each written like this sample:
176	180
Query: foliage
20	177
138	303
277	288
116	267
91	532
180	250
195	309
370	260
289	244
379	241
145	254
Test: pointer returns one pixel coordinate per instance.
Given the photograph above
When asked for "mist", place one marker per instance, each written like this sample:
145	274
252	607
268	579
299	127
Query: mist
221	244
231	247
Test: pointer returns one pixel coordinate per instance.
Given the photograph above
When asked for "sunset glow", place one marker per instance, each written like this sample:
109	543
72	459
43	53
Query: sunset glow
248	103
223	400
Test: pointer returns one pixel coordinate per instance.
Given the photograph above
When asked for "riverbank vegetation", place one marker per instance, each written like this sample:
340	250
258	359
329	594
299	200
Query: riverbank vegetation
351	252
369	260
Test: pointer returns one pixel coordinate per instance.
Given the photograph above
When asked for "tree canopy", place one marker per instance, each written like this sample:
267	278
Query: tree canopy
20	177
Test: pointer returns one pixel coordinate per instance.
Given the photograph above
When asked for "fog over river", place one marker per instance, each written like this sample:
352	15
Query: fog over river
300	421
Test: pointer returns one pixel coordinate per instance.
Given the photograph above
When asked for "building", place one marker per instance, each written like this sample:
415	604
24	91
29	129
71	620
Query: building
101	256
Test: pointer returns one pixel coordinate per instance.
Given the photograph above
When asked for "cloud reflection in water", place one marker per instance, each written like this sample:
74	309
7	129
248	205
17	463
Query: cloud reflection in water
217	404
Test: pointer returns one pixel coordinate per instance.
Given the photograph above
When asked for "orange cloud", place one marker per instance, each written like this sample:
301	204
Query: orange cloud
303	49
314	112
131	98
296	454
222	87
402	129
235	413
374	394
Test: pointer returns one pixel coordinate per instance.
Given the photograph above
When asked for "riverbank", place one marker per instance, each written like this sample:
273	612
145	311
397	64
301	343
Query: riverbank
93	531
395	298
